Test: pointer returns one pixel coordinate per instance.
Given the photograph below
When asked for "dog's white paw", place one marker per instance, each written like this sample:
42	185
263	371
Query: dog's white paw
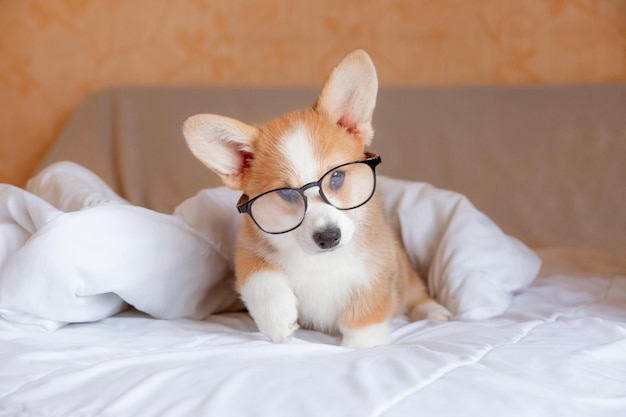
275	328
272	304
430	310
365	337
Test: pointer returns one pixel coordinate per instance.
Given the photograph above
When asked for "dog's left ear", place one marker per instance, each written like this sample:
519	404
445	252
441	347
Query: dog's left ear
349	95
222	144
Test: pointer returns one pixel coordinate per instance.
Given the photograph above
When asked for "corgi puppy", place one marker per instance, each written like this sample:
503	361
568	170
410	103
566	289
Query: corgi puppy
314	249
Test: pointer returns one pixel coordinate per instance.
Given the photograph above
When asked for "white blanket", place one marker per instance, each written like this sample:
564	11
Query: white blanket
558	350
71	250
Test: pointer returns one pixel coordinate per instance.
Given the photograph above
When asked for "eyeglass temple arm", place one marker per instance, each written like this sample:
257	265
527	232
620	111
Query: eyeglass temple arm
242	203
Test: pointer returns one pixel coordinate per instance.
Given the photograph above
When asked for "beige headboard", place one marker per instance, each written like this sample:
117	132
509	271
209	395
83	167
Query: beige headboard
548	164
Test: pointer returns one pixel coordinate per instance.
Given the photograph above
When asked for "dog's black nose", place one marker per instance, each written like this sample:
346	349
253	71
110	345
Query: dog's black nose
327	238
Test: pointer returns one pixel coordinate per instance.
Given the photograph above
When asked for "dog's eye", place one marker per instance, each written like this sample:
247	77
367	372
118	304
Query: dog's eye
290	196
336	180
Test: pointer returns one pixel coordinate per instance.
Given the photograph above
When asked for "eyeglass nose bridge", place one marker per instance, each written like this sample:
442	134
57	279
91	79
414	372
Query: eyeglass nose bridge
310	185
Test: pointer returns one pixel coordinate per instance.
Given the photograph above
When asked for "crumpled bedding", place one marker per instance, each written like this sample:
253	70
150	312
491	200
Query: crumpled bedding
558	350
74	251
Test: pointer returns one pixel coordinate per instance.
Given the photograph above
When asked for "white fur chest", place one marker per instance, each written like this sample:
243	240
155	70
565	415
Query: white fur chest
323	283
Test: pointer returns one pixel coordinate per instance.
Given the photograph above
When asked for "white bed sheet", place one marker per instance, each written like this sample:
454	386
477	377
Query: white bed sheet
559	350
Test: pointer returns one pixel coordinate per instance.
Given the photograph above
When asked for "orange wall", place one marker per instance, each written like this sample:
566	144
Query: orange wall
53	52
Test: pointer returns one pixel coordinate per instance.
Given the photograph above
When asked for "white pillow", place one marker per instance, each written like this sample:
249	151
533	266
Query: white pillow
473	268
87	264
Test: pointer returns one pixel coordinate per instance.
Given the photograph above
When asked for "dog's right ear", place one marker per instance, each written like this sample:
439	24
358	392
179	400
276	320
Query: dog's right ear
222	144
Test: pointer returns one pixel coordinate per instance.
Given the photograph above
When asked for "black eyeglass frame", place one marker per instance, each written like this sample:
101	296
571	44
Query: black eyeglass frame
245	203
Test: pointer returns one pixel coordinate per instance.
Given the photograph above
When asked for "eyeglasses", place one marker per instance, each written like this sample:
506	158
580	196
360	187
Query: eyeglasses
345	187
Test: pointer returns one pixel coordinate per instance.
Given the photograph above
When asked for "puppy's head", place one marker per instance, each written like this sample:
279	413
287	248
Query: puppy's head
297	149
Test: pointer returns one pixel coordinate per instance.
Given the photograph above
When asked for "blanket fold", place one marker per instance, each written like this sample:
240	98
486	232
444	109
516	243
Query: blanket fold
72	250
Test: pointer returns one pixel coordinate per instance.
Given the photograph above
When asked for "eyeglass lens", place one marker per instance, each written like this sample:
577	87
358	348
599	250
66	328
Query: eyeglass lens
279	210
348	186
345	187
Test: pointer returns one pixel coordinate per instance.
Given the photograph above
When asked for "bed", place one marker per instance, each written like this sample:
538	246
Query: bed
539	169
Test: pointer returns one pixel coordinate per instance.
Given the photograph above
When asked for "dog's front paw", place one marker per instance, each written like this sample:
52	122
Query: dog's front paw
430	310
272	304
276	328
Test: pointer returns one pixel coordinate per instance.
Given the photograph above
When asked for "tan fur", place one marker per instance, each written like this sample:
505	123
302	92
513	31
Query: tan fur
398	289
249	252
269	171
